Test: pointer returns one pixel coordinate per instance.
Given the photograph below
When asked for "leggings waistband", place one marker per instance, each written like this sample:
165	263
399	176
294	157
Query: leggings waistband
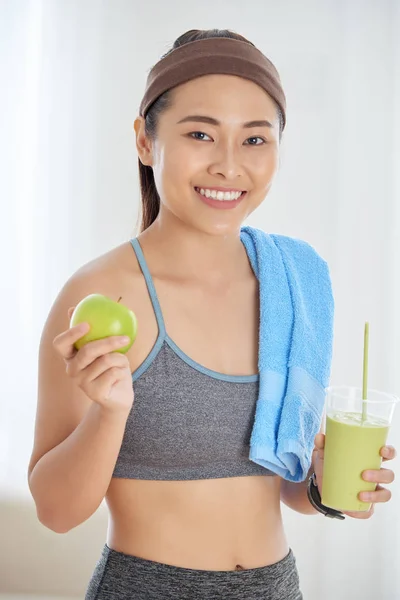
148	565
123	576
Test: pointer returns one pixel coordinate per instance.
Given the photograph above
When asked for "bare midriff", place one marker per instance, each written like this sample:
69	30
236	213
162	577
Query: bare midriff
222	524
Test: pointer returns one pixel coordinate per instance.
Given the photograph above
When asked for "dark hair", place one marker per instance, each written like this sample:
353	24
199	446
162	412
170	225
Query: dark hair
148	190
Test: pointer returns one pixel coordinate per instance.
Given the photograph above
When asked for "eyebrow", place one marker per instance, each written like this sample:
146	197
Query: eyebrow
212	121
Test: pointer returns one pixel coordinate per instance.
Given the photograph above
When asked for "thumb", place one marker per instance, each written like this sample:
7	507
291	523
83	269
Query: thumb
319	441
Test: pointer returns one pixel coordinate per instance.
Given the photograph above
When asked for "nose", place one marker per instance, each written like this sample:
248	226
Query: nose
226	160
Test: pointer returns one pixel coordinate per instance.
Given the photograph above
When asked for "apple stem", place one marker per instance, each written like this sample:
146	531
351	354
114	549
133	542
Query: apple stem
120	298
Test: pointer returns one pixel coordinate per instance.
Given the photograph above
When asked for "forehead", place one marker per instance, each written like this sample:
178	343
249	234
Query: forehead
222	94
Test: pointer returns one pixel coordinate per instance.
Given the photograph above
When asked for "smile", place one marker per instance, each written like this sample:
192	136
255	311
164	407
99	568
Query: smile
219	195
233	198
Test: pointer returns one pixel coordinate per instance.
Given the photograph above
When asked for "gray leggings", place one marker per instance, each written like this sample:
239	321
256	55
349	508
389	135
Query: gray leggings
119	576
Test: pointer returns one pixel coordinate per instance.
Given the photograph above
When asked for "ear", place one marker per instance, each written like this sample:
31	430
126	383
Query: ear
143	143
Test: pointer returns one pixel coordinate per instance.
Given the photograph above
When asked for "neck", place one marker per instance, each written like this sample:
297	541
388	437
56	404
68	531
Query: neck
195	254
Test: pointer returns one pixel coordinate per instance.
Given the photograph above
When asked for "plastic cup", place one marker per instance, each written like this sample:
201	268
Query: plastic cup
353	445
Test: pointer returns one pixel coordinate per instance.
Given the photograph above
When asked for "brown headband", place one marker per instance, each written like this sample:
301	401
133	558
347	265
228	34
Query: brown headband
213	56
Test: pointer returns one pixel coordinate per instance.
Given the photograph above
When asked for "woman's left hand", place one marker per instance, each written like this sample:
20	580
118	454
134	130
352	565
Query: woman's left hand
378	476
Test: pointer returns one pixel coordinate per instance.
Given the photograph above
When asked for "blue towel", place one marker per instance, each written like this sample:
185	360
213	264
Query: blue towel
295	350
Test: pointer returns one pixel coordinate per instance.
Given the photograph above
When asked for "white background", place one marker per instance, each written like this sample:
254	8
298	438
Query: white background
72	80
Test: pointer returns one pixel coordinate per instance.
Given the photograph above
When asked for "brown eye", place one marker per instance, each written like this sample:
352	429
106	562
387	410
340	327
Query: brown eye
257	138
193	133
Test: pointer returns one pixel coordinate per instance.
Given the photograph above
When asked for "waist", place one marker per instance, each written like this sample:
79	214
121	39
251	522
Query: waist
213	524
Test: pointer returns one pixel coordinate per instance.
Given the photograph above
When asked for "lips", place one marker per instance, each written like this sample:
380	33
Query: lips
220	204
197	189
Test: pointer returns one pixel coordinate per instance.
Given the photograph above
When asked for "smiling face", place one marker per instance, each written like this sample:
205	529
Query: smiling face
221	132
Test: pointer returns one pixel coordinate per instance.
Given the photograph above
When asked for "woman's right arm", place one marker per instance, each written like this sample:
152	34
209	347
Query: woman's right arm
84	398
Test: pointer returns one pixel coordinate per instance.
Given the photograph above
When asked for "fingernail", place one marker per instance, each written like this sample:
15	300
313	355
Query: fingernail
124	340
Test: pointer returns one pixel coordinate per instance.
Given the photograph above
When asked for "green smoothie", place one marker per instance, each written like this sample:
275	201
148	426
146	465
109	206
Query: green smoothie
350	449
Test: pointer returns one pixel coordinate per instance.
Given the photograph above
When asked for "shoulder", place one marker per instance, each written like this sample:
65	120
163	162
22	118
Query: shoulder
114	274
294	249
113	263
297	248
109	273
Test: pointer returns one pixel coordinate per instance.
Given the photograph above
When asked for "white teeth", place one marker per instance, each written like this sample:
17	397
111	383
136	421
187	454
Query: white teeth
224	196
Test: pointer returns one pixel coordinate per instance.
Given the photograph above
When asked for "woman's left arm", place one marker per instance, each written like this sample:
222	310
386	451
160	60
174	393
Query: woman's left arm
295	496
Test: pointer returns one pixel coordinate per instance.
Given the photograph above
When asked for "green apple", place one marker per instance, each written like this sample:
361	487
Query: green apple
106	318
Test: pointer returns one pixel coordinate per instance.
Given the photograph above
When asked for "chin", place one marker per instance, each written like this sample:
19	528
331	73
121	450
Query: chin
221	223
219	228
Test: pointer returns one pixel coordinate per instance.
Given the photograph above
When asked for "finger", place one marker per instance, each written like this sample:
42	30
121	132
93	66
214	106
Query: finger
319	445
64	342
379	476
367	514
93	350
380	495
100	366
388	453
101	387
70	311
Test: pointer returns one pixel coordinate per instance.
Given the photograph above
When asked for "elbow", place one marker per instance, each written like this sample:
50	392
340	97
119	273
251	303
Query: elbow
57	513
61	521
55	528
47	515
48	518
52	521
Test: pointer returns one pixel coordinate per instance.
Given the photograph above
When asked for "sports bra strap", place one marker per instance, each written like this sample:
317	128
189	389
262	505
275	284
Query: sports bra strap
150	286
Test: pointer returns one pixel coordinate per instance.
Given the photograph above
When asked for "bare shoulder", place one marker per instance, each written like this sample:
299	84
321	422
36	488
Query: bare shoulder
117	274
114	266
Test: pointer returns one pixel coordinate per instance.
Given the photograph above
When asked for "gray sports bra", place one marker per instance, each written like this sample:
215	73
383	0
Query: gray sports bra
186	421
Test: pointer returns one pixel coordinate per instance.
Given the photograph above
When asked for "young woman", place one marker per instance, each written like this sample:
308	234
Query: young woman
162	433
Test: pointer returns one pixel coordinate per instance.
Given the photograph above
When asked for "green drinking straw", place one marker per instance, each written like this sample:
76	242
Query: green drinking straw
365	373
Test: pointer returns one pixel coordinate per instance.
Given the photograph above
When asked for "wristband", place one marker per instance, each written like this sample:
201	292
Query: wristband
315	499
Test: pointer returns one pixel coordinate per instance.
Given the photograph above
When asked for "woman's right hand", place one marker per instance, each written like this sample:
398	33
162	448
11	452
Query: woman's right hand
103	374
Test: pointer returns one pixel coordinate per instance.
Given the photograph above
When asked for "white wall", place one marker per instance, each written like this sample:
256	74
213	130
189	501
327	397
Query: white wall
72	83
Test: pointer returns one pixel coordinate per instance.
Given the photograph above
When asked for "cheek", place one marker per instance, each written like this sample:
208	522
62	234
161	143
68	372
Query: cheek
175	162
168	170
263	171
264	167
179	168
172	173
263	175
